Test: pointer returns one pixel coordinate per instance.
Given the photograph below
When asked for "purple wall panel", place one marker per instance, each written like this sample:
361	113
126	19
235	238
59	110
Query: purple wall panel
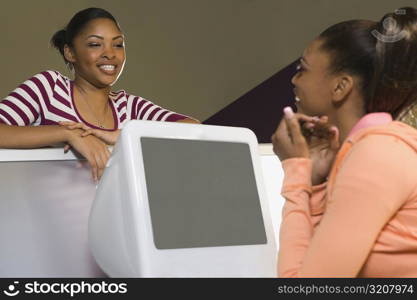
260	109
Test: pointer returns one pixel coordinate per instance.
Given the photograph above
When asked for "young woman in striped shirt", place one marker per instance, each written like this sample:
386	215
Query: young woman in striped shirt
49	108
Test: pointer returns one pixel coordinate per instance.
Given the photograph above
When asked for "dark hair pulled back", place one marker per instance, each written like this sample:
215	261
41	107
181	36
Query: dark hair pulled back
383	55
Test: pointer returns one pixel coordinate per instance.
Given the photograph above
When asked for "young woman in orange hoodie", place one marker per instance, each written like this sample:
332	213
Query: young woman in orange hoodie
351	210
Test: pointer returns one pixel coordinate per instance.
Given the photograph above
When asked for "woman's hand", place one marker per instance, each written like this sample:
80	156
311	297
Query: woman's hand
288	140
323	145
109	137
92	148
299	135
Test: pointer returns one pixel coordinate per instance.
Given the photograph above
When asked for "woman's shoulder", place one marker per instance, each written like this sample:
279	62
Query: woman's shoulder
122	95
47	81
390	144
50	76
389	133
118	96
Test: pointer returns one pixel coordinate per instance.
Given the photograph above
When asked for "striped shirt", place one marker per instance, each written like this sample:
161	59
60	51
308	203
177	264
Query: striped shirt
47	98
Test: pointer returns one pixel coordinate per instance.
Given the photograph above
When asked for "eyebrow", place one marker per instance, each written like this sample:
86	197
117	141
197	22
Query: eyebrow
102	38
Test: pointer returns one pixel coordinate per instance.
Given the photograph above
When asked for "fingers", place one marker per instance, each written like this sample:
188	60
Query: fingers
91	158
95	151
109	137
293	126
309	124
95	164
323	119
100	166
304	118
97	158
334	141
281	141
307	129
70	125
66	123
78	126
104	157
89	132
320	128
74	125
97	133
67	147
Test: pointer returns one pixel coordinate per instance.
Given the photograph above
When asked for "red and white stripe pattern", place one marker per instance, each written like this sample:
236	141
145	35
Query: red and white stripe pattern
46	99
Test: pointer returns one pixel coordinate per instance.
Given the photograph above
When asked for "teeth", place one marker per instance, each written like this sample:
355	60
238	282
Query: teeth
107	67
297	99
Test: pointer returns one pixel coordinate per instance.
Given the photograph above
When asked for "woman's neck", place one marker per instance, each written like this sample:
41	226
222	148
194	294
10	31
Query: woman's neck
97	97
347	115
345	123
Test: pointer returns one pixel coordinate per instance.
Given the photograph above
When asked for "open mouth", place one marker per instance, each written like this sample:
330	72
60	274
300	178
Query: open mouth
108	69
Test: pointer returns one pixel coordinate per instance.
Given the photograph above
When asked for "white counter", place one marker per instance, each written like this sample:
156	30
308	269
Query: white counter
46	196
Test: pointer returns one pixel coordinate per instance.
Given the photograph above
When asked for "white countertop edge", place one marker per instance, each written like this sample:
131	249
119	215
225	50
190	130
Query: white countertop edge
58	154
37	154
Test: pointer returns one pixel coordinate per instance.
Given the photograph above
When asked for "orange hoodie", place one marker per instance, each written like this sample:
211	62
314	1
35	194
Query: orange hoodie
363	221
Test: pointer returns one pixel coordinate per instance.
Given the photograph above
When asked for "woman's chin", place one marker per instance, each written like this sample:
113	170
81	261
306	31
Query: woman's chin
114	80
105	83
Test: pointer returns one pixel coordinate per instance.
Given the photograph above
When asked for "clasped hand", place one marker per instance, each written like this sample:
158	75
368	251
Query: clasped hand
92	144
304	136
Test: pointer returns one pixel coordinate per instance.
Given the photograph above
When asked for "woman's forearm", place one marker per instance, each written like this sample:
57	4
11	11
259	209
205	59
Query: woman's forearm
32	136
297	224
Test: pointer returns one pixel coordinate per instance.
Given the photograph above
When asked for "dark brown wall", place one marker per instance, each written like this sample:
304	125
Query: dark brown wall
192	56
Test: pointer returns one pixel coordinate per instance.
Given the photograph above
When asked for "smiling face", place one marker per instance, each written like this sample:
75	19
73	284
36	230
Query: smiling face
98	54
313	84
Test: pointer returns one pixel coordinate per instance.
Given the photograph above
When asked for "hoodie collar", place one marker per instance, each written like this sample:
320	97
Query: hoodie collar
369	120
